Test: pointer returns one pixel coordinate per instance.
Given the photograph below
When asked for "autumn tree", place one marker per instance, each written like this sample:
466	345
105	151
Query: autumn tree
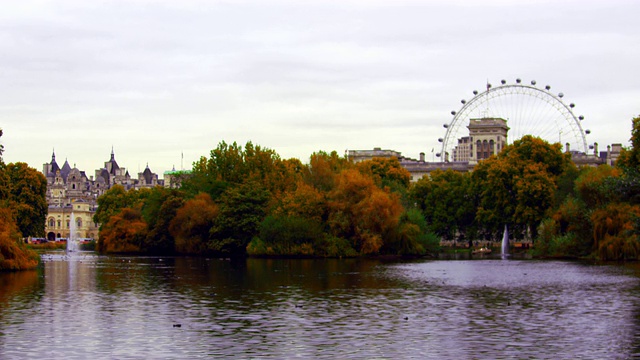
192	224
362	212
13	253
324	168
124	232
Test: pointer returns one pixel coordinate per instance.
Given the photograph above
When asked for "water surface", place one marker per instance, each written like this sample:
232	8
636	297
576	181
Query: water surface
90	306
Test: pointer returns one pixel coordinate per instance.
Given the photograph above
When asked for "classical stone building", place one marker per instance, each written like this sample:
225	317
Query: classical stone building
71	194
487	136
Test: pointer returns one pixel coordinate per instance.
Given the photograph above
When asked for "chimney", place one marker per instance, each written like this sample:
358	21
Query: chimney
595	149
421	157
567	147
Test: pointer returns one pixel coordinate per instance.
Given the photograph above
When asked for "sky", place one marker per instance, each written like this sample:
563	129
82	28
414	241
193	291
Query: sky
164	82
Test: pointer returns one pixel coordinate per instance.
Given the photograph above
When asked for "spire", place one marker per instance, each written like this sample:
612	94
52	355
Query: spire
53	156
113	156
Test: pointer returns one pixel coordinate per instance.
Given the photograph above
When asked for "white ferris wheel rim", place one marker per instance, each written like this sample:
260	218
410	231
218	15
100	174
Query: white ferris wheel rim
562	119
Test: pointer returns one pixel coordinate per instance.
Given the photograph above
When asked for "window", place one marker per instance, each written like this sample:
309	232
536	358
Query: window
52	223
79	222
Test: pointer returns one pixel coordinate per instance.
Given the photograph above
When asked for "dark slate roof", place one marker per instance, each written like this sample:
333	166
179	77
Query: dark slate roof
65	170
148	175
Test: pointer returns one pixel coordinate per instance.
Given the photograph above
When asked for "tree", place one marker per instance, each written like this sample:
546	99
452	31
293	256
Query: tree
614	238
362	212
158	210
323	169
629	159
305	202
241	210
13	253
27	197
517	187
125	232
192	224
447	201
116	199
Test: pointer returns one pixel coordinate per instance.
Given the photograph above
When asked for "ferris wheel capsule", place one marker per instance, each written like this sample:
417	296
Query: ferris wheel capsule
503	81
560	95
548	87
475	92
518	81
533	82
580	117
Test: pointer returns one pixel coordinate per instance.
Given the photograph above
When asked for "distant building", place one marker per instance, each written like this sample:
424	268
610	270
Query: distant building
173	179
70	191
487	137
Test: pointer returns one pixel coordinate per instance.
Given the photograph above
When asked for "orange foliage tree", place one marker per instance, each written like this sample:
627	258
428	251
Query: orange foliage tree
362	212
125	232
13	253
192	223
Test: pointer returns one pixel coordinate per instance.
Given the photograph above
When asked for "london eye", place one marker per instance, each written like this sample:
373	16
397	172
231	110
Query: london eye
528	110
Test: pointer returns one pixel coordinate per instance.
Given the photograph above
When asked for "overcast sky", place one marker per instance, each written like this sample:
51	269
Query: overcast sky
157	79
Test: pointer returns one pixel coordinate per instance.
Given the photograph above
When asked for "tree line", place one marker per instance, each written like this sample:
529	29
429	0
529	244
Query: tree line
247	200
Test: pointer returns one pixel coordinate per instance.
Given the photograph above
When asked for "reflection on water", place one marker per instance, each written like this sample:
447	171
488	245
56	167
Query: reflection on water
122	307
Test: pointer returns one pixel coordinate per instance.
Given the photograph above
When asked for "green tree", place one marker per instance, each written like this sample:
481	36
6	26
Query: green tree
242	209
629	159
517	187
114	200
27	197
448	203
158	210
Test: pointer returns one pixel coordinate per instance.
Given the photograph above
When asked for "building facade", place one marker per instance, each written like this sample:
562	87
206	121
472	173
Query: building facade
72	196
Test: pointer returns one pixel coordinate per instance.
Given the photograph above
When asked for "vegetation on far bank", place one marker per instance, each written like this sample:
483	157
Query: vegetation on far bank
247	200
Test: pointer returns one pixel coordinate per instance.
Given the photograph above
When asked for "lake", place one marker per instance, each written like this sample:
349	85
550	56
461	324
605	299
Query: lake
109	307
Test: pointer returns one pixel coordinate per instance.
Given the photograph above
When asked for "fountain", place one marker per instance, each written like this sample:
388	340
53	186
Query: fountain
505	241
72	246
